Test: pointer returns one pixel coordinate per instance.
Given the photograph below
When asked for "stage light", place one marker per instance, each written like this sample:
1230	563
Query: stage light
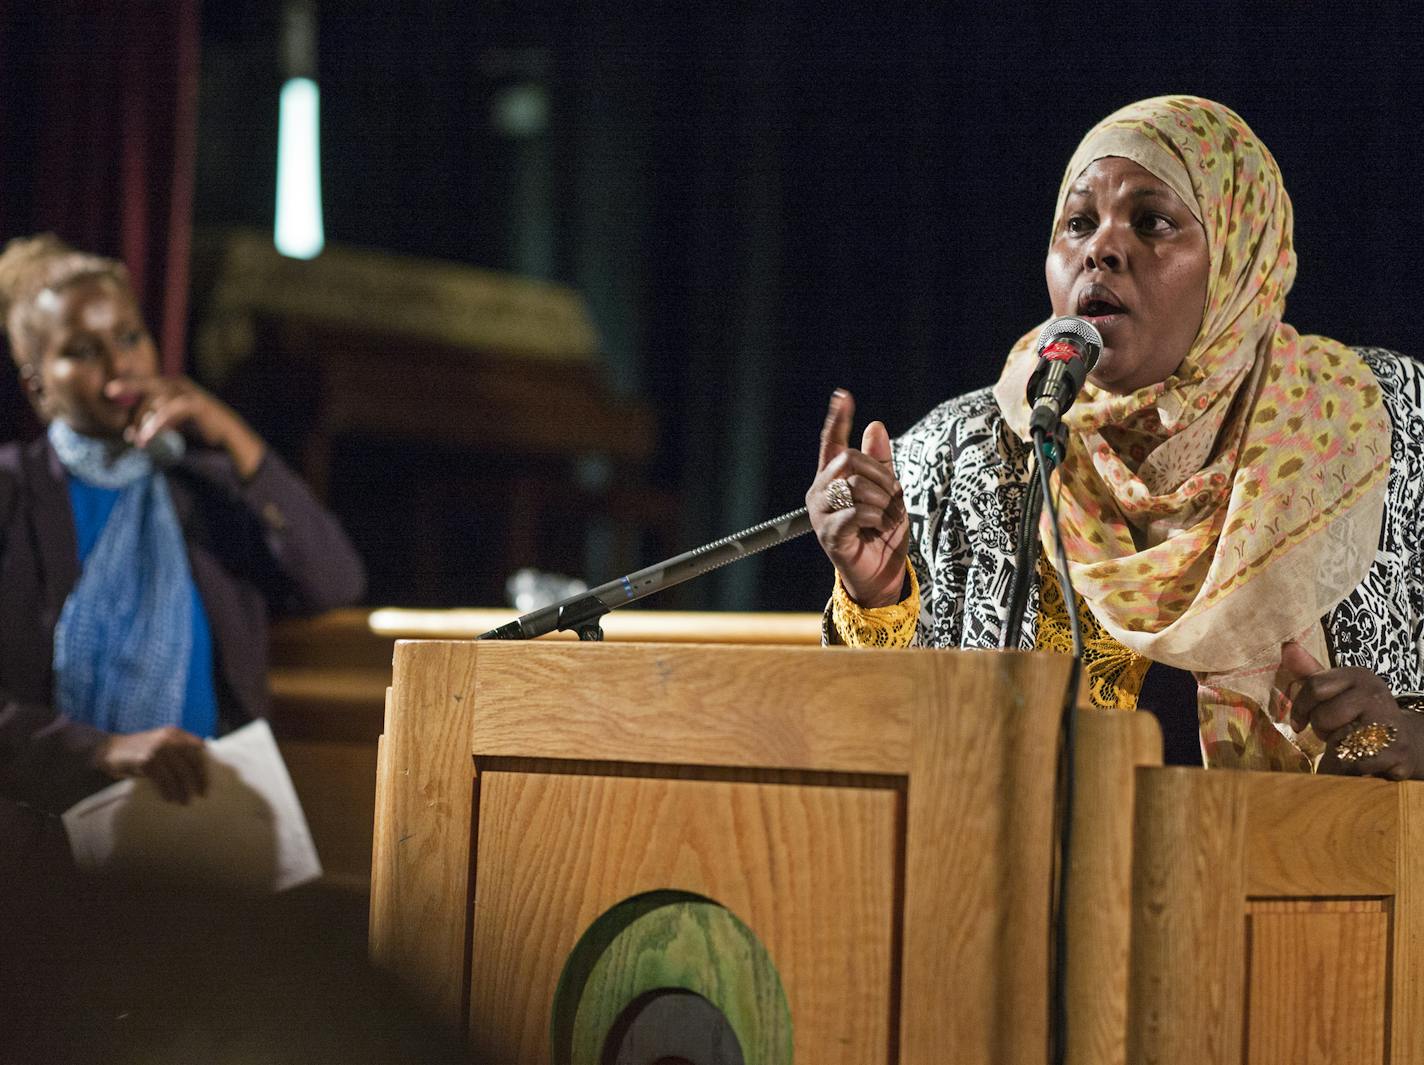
299	232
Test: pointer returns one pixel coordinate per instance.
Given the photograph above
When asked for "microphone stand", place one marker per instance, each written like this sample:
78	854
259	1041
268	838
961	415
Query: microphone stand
1048	454
582	612
1026	554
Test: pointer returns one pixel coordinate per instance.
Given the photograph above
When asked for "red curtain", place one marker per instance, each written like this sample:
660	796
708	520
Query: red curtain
100	117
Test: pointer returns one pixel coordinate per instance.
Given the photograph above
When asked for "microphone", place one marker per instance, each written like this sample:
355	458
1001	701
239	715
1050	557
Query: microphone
1068	349
166	449
582	610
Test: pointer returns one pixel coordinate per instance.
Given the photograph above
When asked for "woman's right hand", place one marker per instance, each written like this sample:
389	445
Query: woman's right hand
868	541
176	761
161	403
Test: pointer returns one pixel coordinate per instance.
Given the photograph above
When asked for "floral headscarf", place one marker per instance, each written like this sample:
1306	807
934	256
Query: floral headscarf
1214	516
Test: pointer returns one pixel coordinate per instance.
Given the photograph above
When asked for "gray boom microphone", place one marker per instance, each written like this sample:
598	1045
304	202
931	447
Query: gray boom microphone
581	612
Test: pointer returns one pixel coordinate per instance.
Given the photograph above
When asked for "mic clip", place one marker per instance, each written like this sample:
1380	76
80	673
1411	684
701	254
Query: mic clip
1052	448
582	615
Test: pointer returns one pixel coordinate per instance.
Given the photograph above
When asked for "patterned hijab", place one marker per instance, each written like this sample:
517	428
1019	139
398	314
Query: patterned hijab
1214	516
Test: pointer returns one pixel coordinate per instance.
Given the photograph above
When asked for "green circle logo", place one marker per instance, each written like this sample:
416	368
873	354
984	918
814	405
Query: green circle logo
669	941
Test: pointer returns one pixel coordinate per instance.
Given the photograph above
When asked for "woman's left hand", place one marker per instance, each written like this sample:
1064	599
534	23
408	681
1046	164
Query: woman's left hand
1336	702
178	403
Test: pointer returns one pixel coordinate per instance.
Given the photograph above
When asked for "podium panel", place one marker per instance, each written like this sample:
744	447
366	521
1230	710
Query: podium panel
824	906
881	824
1277	920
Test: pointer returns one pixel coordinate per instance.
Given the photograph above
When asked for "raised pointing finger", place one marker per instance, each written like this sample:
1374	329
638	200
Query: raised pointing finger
835	433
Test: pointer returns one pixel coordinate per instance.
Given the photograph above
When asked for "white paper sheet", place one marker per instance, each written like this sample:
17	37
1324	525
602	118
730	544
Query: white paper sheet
248	833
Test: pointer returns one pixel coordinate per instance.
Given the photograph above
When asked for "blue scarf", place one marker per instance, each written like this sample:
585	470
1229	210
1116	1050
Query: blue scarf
125	634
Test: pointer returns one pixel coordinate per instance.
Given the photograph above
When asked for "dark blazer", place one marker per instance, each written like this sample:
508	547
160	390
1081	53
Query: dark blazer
255	547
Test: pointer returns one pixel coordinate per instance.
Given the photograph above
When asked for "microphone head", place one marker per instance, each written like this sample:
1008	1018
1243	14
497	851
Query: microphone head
166	449
1078	331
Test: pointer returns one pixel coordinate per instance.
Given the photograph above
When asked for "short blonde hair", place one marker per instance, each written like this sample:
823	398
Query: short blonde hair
29	266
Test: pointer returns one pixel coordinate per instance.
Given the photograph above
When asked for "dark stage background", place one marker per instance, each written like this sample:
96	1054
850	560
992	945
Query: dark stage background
764	202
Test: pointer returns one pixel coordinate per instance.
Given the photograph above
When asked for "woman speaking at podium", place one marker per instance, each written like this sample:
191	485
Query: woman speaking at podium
1239	504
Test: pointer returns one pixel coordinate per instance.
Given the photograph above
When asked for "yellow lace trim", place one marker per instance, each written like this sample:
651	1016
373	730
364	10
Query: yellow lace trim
881	626
1114	673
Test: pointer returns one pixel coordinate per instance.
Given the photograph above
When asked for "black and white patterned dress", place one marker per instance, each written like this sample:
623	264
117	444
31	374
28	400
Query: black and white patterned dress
965	476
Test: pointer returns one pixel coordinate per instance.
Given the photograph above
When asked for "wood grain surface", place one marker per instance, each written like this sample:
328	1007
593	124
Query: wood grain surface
811	870
1188	941
382	919
979	858
426	821
1111	744
328	676
1276	920
792	708
1320	835
1406	1004
1317	981
792	744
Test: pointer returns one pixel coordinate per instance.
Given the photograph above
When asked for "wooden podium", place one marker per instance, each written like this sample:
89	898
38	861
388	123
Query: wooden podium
880	822
1277	919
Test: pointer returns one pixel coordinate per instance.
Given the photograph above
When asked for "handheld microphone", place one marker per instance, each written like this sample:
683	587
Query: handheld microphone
1068	349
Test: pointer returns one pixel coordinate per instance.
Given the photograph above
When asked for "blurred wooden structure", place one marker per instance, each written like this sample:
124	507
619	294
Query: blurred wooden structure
329	677
419	394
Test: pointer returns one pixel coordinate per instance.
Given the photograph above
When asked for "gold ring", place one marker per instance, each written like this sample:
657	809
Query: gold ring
1365	741
838	496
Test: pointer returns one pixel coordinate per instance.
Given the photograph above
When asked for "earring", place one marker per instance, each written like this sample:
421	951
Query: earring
30	378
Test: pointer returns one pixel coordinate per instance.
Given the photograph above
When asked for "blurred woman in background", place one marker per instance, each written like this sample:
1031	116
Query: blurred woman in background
136	572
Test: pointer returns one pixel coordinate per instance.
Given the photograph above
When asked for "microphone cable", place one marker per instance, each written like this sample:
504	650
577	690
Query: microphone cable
1025	553
1067	746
